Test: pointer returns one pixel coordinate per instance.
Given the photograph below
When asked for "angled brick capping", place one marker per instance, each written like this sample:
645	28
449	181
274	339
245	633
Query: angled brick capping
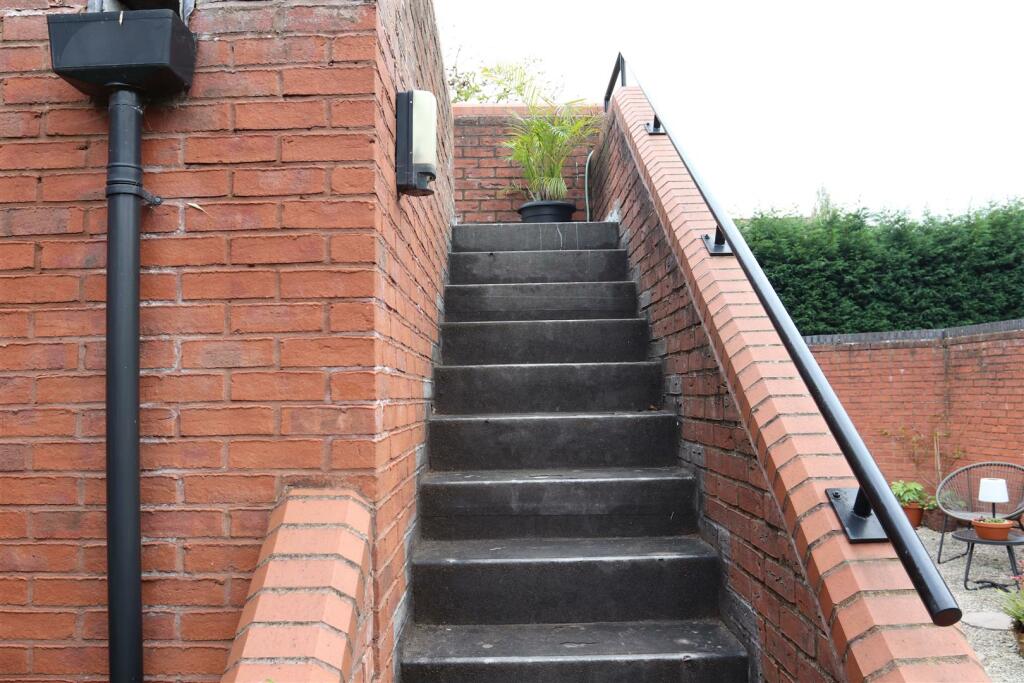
308	616
816	607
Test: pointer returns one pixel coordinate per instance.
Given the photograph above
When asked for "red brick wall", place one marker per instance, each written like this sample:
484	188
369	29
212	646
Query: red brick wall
811	606
960	390
290	307
482	171
767	597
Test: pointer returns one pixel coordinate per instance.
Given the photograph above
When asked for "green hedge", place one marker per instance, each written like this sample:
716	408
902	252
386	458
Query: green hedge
854	271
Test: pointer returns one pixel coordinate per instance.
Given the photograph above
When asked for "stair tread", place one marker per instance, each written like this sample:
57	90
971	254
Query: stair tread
527	252
521	226
608	414
552	285
633	640
555	475
637	363
552	321
523	550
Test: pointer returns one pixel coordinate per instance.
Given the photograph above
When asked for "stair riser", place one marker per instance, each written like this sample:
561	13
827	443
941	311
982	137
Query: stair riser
534	237
538	266
562	509
576	341
461	390
724	669
538	443
565	591
559	301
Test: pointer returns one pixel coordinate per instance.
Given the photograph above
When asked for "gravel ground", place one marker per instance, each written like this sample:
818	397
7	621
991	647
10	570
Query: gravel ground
997	650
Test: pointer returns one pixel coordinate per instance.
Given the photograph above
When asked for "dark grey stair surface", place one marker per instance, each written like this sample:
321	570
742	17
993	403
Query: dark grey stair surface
534	236
540	301
557	502
559	580
481	442
606	652
555	540
555	387
591	265
544	341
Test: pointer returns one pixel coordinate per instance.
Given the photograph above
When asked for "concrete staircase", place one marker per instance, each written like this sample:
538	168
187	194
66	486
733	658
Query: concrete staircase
556	530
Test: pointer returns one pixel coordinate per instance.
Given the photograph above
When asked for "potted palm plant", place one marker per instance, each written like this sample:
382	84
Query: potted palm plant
540	143
914	500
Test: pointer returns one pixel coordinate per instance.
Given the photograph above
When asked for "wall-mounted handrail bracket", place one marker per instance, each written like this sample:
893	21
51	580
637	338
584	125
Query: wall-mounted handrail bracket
717	245
860	525
655	127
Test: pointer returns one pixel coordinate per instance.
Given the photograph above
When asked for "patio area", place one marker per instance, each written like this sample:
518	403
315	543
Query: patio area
996	649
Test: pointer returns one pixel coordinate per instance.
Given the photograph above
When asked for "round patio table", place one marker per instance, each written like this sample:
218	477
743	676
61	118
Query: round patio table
969	537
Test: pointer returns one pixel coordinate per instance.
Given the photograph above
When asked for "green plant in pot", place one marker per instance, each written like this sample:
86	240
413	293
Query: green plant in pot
540	143
1013	606
992	528
912	497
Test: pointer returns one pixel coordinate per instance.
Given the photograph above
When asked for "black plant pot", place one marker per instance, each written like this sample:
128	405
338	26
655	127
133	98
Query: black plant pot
547	212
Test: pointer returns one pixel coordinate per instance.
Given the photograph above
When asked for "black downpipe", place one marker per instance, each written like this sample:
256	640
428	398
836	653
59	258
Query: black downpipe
124	539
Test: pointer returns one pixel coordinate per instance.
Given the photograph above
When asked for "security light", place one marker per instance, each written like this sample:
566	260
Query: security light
416	144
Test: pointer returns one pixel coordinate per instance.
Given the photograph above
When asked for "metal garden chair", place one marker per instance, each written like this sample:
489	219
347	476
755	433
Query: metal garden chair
957	496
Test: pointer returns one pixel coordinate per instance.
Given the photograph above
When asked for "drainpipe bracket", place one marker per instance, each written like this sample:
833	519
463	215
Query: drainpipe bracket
137	190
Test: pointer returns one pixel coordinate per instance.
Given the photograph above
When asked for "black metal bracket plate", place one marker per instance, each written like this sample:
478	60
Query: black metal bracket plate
652	130
858	529
714	248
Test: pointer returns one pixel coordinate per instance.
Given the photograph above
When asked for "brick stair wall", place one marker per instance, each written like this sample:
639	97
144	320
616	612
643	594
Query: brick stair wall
289	320
812	606
309	612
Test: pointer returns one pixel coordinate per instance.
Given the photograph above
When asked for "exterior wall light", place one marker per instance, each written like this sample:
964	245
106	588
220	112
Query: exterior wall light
416	144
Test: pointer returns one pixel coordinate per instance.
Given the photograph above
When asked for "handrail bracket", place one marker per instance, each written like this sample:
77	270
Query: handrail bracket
855	514
717	245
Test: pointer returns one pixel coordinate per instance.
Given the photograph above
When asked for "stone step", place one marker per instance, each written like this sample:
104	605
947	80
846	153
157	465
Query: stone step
540	301
552	387
533	236
544	341
484	442
557	502
603	652
558	580
490	267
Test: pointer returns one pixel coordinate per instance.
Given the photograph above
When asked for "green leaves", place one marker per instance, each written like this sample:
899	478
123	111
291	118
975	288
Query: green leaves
541	141
853	271
911	493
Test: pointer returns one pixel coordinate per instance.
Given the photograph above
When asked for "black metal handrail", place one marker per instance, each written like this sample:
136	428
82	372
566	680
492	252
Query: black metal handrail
871	512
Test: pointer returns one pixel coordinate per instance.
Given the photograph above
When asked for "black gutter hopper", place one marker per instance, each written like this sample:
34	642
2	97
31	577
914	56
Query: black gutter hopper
129	56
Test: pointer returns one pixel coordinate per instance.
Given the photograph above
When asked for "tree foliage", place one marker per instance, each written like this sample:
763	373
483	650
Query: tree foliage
500	83
843	271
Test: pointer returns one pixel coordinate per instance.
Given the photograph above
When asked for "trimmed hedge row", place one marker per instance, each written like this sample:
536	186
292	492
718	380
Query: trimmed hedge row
855	271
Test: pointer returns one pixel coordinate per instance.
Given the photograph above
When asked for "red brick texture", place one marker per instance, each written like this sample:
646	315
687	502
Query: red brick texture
309	613
961	393
812	606
289	319
483	173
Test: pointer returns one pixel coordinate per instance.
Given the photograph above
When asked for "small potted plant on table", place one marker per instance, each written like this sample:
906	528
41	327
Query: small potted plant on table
992	528
914	500
540	143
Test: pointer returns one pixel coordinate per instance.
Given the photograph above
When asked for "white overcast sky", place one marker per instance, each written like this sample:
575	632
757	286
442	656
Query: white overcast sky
914	105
